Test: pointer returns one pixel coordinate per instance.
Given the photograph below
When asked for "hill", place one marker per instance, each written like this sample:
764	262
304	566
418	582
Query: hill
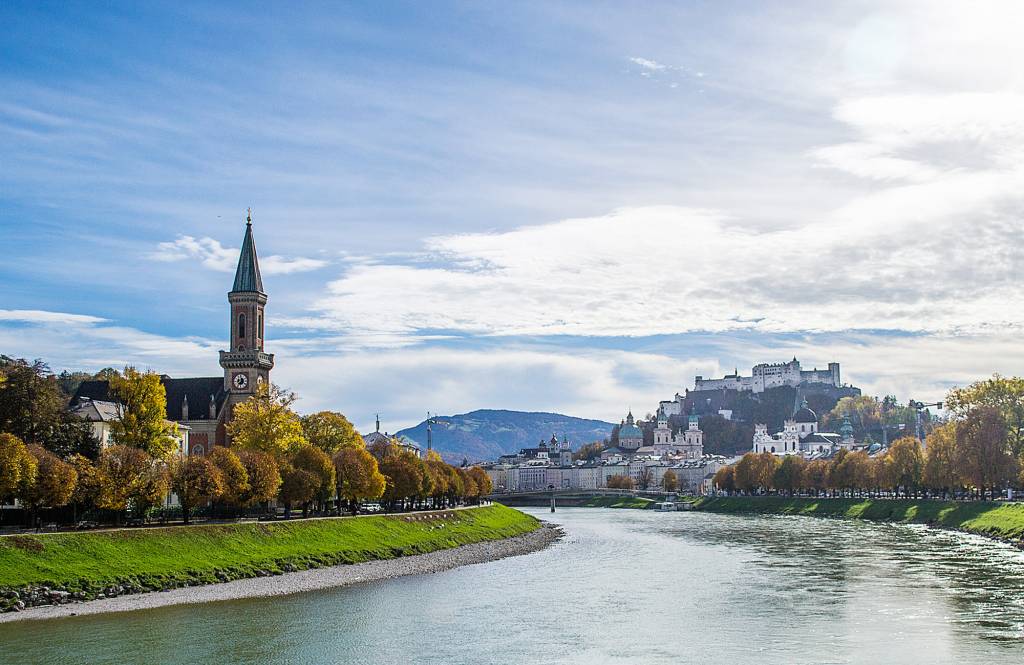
487	433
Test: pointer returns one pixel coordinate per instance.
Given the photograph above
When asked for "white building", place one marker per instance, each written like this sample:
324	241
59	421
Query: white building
772	375
689	442
101	416
800	435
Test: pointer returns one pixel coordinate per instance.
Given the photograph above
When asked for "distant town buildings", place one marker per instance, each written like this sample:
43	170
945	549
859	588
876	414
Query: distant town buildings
550	464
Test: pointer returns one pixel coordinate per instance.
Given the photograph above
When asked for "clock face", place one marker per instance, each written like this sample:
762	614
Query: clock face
240	381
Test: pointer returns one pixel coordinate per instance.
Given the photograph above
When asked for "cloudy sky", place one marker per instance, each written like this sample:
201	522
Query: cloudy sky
569	207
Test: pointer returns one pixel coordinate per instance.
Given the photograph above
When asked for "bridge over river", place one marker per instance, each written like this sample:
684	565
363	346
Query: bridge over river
573	497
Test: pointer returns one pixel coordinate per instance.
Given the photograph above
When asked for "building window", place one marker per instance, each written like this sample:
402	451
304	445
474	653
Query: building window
261	325
241	326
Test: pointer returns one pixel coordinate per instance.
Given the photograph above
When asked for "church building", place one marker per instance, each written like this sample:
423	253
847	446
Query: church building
205	404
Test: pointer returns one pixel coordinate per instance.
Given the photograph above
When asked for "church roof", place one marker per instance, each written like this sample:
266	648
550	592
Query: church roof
805	414
198	391
95	410
630	432
247	275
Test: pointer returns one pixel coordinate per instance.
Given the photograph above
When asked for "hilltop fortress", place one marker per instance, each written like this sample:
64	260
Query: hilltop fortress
772	375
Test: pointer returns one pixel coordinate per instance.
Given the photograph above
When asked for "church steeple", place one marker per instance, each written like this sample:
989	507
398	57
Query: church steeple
247	275
245	363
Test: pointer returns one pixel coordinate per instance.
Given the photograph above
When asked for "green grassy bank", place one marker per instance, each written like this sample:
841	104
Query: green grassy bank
86	564
998	520
618	502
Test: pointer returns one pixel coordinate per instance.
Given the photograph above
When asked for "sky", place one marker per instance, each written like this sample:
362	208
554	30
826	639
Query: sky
571	207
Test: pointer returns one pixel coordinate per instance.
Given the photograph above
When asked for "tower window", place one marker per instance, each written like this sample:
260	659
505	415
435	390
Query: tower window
241	326
261	324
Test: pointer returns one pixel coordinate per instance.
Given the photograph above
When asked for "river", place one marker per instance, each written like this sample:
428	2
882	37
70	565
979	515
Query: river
624	586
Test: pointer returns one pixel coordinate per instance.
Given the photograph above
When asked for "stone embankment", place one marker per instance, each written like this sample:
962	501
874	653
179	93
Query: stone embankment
46	603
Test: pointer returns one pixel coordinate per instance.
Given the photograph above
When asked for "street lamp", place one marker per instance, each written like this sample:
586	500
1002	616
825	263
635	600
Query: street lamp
918	407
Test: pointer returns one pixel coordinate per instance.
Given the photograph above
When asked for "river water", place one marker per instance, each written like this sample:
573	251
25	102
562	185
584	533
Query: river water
624	586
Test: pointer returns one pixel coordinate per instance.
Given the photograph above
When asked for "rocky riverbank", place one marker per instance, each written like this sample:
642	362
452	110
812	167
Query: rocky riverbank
294	582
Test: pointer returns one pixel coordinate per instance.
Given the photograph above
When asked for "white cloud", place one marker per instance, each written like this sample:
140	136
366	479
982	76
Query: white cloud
214	256
87	342
40	316
648	64
664	270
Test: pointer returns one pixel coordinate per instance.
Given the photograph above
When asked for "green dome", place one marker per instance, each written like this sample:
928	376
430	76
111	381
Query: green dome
630	432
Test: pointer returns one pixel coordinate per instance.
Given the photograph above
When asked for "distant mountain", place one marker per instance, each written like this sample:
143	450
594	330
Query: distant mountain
487	433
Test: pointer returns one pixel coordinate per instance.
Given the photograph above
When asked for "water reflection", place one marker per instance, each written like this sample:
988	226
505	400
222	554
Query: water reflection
623	587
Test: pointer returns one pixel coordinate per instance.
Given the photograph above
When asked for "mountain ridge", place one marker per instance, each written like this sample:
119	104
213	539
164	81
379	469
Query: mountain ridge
486	434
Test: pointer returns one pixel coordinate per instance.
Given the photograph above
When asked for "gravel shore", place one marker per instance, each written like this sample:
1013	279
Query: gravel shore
305	580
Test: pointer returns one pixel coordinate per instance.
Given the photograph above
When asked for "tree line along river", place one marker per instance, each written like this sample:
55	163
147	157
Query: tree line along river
623	586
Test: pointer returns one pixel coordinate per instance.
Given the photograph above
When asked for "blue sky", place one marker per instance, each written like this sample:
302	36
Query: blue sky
545	206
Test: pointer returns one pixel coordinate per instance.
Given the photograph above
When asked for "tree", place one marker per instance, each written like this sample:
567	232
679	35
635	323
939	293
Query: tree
73	436
907	463
621	482
469	486
854	471
404	477
357	477
1004	394
816	475
234	478
590	451
17	466
789	475
330	432
670	482
983	456
316	462
196	480
89	481
745	473
142	413
53	484
883	472
940	473
264	478
31	404
645	477
481	480
266	422
725	479
863	411
439	479
298	486
121	471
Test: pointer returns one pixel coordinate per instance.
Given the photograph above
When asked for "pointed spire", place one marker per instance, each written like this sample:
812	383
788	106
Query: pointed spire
247	276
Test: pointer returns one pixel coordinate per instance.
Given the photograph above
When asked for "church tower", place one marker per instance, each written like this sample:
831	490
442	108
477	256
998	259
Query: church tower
245	364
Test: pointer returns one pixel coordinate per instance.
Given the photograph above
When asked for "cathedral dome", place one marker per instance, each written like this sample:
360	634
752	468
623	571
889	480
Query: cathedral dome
805	414
630	431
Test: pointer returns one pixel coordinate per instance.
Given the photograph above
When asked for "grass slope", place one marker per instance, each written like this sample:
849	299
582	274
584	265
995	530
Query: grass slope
999	520
177	556
618	502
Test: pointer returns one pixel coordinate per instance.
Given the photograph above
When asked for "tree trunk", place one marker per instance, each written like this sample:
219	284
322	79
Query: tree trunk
185	512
